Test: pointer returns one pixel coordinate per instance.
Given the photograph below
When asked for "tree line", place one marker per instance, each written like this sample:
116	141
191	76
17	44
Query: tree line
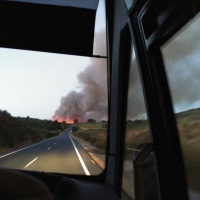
16	131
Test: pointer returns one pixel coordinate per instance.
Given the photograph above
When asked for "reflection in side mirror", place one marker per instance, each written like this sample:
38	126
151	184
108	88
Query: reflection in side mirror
145	181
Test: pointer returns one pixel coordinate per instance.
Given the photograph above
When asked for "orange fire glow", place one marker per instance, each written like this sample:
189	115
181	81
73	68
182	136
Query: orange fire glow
69	121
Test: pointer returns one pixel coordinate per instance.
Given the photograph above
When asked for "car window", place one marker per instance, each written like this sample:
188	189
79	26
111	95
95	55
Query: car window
137	136
54	108
182	61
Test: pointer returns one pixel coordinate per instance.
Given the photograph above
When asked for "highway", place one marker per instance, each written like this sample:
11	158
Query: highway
61	154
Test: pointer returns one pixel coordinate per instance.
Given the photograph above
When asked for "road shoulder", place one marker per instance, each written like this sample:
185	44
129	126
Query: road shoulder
97	155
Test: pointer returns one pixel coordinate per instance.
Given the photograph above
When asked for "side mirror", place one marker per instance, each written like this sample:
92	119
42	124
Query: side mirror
145	180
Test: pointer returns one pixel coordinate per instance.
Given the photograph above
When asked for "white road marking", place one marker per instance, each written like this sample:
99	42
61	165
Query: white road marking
49	148
133	149
31	162
80	158
93	162
136	150
23	148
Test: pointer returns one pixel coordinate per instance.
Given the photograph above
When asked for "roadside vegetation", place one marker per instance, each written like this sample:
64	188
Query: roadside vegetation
189	132
96	133
17	132
137	132
188	124
93	132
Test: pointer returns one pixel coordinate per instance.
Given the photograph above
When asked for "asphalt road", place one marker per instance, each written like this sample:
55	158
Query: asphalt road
61	154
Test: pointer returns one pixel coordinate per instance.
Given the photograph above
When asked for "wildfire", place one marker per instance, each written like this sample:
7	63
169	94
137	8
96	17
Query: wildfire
60	119
69	121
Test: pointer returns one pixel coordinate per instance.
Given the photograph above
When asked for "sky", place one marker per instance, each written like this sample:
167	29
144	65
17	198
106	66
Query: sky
182	59
182	65
33	83
53	86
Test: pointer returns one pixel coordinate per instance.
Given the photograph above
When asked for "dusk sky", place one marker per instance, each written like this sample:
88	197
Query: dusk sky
41	85
32	83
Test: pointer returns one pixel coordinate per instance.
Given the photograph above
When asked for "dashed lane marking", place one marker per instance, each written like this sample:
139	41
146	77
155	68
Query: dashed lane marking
49	148
23	149
133	149
31	162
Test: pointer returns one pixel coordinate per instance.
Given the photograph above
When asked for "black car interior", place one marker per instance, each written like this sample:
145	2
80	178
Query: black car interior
159	170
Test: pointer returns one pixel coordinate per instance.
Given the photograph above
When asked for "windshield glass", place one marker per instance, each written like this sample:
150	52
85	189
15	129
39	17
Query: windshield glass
182	64
54	109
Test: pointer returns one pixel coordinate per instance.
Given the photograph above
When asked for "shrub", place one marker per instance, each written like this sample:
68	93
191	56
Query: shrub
75	128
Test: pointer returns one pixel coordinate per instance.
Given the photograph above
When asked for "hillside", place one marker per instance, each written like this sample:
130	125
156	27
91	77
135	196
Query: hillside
17	132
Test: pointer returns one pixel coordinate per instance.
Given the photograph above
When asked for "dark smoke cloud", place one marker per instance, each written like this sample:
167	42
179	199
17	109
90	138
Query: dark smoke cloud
92	100
182	58
182	61
135	108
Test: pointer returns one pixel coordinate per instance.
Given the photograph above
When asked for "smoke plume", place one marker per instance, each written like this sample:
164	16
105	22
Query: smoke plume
182	63
182	60
135	105
91	102
181	56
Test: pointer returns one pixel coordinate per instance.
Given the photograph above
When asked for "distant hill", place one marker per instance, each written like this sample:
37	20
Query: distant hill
189	115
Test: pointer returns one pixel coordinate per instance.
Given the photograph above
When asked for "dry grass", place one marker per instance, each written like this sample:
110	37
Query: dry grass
137	132
95	133
188	123
92	125
189	133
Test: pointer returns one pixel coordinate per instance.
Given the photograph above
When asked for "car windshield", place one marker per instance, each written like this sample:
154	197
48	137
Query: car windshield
54	109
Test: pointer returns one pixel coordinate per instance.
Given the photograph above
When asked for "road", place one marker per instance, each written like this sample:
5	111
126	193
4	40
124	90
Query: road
61	154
